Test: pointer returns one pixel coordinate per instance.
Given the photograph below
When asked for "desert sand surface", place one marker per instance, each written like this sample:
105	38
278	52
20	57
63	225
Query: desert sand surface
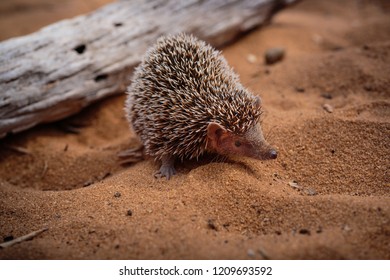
327	195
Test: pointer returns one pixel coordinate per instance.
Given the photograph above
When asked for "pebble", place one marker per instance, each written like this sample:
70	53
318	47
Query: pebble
328	108
251	253
211	224
129	213
273	55
346	228
294	185
117	194
310	191
251	58
304	231
326	95
305	190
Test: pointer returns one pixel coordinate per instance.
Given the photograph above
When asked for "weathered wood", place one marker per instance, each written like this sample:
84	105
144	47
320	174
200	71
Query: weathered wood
62	68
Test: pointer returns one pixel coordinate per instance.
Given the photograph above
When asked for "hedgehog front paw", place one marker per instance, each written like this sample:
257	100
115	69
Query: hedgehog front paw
167	168
165	171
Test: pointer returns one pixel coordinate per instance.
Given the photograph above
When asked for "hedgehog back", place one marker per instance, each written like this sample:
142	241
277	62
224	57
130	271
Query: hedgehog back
181	86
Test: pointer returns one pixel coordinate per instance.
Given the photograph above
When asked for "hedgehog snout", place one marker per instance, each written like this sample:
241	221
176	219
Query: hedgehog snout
266	153
273	154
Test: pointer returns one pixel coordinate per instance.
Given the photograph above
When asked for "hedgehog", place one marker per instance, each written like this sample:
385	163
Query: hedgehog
185	100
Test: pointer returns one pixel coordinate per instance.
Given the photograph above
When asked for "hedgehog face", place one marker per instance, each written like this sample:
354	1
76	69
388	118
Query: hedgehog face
251	144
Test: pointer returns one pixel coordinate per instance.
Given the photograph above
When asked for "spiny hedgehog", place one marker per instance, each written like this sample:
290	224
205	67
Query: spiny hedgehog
184	100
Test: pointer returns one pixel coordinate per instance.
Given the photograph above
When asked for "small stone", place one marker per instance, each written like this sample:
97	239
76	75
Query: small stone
117	194
327	108
276	175
299	89
265	222
294	185
129	213
251	58
211	224
273	55
346	228
310	191
304	231
226	225
251	253
326	95
303	190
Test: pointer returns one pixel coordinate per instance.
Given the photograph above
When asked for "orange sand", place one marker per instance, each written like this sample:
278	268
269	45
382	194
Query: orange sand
336	54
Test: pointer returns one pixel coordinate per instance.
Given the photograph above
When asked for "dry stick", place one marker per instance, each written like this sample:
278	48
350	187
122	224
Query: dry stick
18	149
23	238
44	169
263	254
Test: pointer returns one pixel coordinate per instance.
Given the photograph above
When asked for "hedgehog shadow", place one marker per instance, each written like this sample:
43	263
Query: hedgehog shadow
188	165
131	156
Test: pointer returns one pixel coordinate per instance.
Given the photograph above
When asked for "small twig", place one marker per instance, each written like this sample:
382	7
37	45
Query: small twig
131	155
21	150
264	254
44	169
71	127
22	238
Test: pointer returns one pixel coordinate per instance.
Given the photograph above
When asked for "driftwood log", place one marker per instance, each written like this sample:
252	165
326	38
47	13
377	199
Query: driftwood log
62	68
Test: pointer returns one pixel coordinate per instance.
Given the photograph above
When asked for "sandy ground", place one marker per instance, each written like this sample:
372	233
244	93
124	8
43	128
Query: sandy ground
327	196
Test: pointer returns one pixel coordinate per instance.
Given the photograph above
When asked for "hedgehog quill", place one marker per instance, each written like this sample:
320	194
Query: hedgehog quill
185	100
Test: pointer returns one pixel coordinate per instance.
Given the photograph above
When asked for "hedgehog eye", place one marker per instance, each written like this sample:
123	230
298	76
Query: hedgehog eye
237	143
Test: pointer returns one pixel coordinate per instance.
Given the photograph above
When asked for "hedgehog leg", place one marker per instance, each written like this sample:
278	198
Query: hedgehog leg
167	168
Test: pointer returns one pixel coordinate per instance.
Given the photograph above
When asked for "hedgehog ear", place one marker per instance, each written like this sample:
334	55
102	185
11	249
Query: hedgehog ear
257	102
215	131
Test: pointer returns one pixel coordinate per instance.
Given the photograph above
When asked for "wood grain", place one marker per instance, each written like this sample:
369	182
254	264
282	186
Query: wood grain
57	71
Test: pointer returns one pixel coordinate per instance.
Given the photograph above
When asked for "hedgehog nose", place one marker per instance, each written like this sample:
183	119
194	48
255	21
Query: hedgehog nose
273	154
